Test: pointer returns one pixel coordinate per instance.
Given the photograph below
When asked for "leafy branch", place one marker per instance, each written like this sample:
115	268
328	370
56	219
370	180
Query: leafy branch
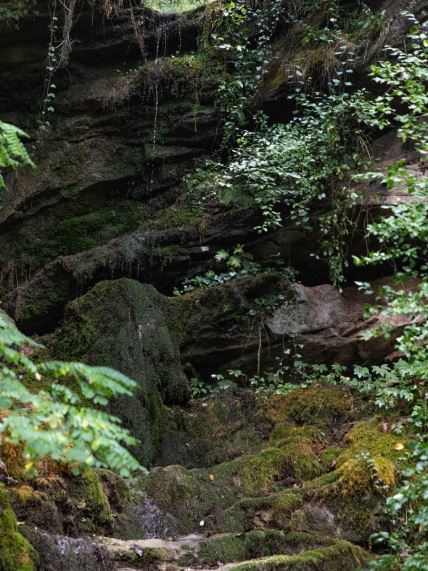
60	421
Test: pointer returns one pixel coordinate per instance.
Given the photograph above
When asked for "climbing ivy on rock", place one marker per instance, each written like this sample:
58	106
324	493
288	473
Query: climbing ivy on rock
288	170
243	38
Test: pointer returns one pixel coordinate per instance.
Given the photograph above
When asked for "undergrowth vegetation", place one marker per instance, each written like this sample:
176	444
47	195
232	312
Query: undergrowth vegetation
50	409
288	170
402	238
11	11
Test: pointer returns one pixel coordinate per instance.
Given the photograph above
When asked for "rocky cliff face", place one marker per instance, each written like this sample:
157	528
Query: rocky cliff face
92	244
106	200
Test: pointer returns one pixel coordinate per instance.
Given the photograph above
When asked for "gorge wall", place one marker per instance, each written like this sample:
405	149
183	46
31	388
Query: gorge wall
93	242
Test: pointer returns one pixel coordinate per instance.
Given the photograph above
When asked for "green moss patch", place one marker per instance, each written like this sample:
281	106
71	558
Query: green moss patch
258	543
16	554
366	466
321	406
273	510
260	473
93	494
342	556
122	324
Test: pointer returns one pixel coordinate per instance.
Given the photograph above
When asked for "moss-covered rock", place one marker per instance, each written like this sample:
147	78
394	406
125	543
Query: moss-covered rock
94	500
59	502
212	430
271	468
258	543
342	556
121	324
16	554
366	465
273	511
234	495
186	497
365	472
38	508
316	406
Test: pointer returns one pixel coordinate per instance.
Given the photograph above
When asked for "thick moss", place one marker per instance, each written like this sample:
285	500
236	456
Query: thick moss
365	473
121	324
221	495
211	430
259	473
367	465
258	543
367	436
214	496
320	406
60	502
96	501
342	556
185	496
286	430
358	478
328	457
11	454
116	488
16	554
273	510
37	508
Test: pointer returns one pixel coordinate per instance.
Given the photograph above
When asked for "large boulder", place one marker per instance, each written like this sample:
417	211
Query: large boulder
250	321
122	324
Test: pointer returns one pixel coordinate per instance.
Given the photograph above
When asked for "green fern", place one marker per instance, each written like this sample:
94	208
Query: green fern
60	421
13	153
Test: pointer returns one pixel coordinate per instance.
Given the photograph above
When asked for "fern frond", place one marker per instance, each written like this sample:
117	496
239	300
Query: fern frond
221	255
13	153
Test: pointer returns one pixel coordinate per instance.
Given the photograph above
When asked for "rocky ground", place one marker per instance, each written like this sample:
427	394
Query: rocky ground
290	482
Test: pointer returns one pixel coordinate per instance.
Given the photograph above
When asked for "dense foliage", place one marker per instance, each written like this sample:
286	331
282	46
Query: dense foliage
11	11
285	170
289	170
48	407
403	241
